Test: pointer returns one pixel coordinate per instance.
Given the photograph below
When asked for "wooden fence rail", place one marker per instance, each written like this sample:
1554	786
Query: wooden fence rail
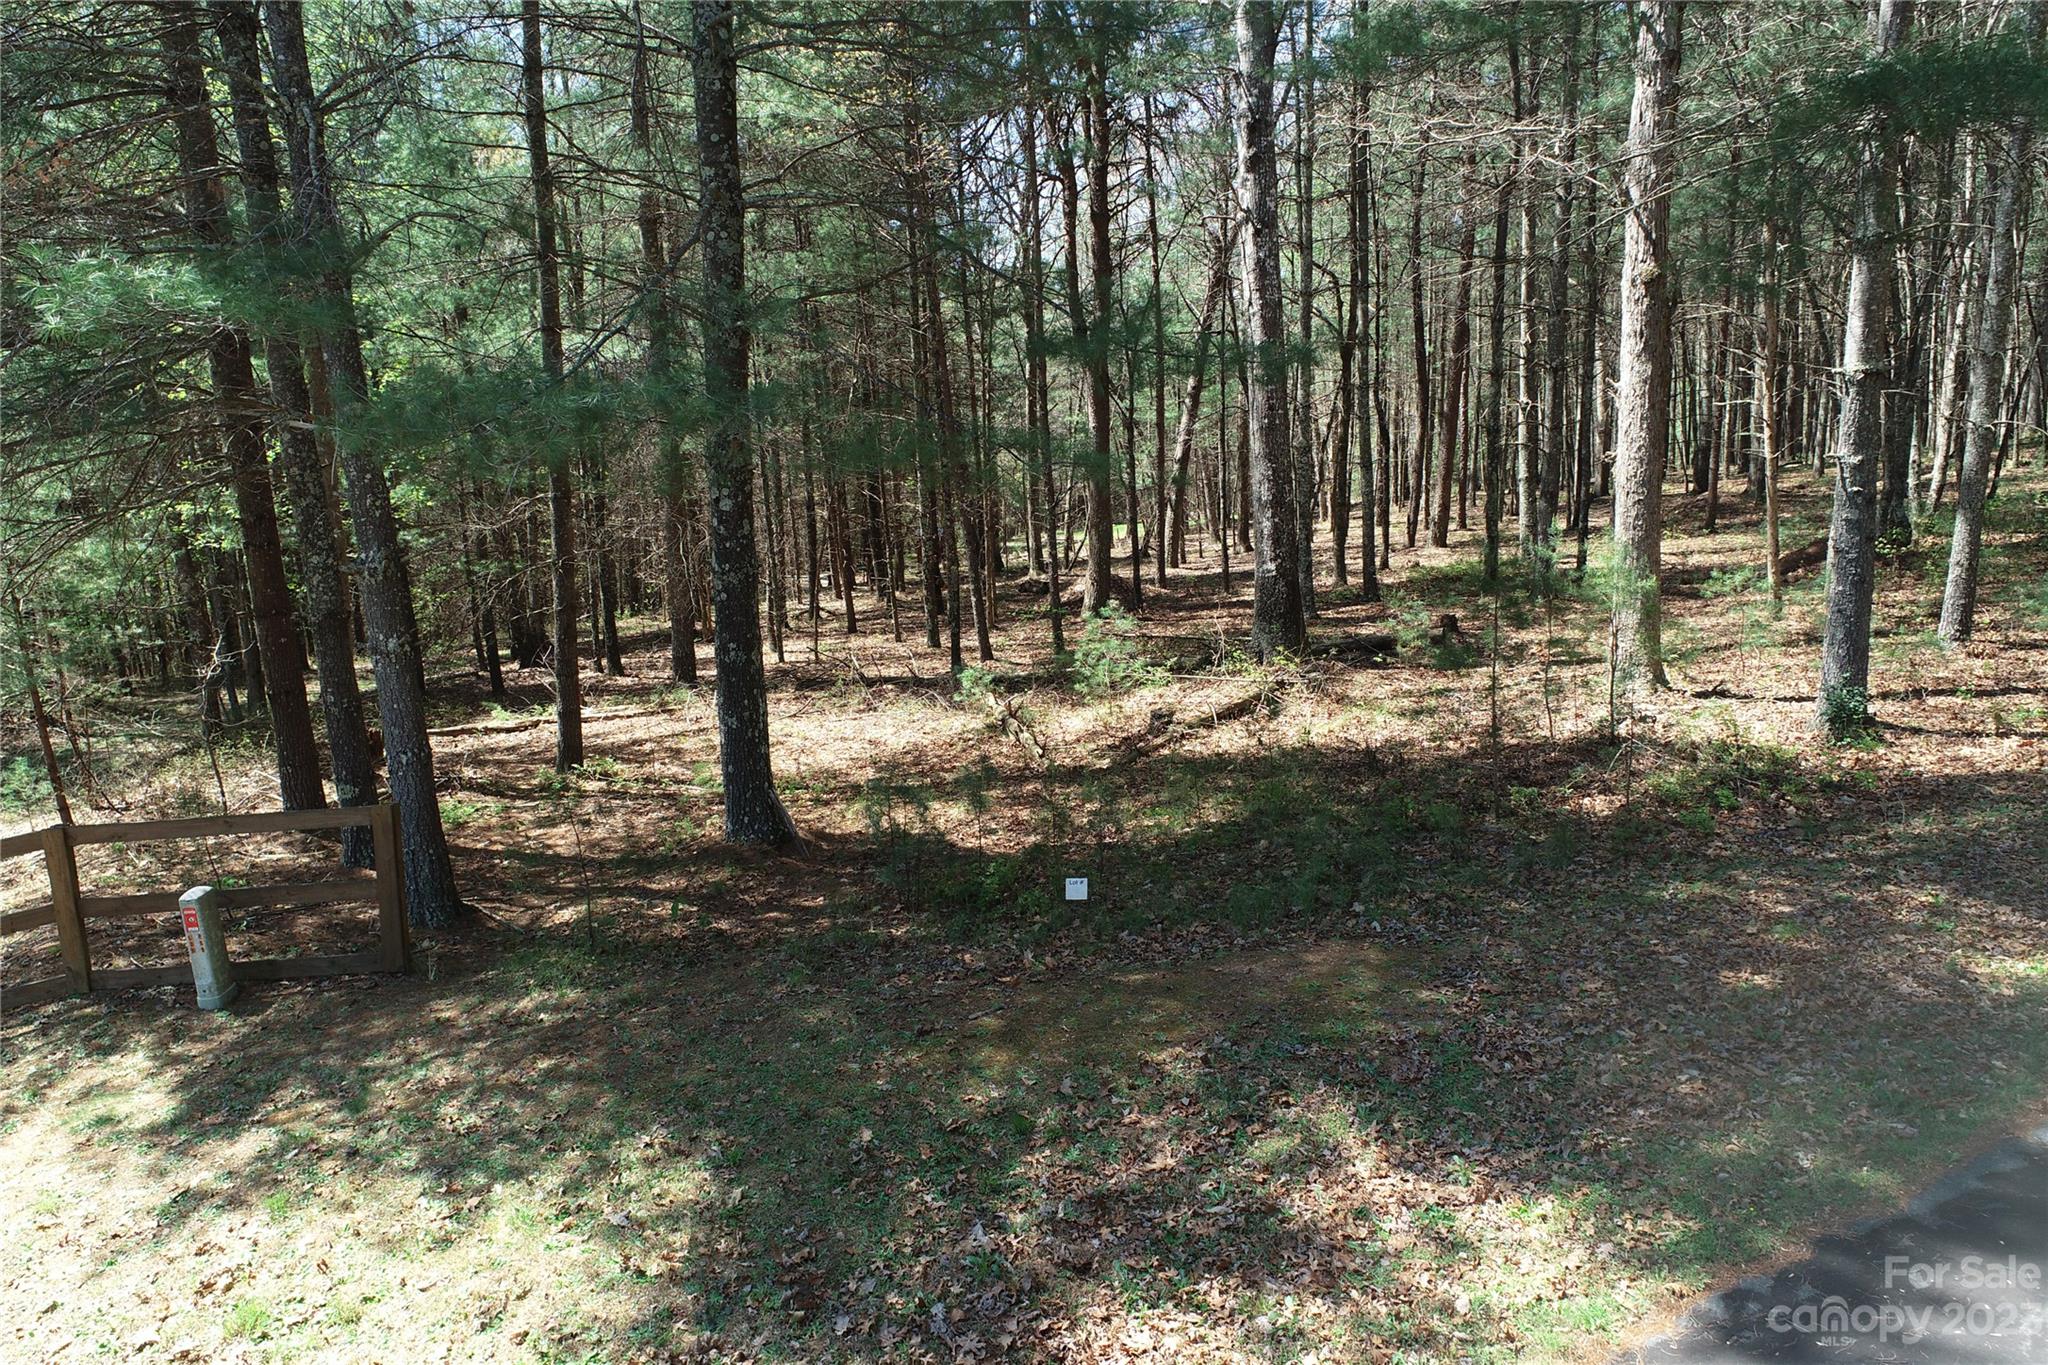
69	909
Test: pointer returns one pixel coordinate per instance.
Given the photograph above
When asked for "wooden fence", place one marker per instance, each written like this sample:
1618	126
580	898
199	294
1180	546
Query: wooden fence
70	910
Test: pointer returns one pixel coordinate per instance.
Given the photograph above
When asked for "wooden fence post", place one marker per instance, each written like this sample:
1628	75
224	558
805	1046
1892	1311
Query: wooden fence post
394	934
62	867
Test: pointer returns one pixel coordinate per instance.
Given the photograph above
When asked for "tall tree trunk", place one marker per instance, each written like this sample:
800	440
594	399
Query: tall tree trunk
1460	359
1590	388
1224	364
1364	383
1159	531
2008	177
673	468
1350	299
1955	365
234	383
431	896
753	812
962	519
1132	503
1531	534
978	526
1768	400
1843	704
1895	498
1496	340
1034	324
1556	345
1425	414
1098	587
1303	428
1191	402
324	588
1277	619
1643	381
561	496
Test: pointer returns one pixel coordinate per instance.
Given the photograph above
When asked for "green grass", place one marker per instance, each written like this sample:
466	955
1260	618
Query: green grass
248	1318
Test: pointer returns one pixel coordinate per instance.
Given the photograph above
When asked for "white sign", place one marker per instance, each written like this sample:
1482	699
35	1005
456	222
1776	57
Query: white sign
1077	888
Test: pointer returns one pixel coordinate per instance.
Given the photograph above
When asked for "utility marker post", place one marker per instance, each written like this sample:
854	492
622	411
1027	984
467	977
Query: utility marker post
212	974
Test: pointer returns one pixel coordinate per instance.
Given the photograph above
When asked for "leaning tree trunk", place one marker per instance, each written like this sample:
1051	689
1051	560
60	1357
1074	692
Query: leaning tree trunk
1843	704
234	384
753	812
561	496
387	602
1643	379
1277	622
2009	180
305	478
24	645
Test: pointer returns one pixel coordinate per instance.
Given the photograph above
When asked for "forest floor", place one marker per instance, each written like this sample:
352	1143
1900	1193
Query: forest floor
1385	1033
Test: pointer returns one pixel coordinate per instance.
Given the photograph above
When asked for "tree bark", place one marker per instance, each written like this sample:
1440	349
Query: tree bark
673	469
1531	534
1843	704
1191	402
431	896
1643	384
1496	341
1303	427
1955	365
2009	178
1277	614
1098	586
232	367
561	495
1768	400
1365	359
1453	398
1556	344
1425	414
324	587
1159	532
1039	417
753	812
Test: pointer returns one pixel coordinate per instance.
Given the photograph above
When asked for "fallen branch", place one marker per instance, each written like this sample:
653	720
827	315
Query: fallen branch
506	727
1806	556
1369	648
1005	712
1165	723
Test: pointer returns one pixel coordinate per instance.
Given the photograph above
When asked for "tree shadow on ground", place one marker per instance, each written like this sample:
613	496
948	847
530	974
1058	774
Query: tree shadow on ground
1307	1061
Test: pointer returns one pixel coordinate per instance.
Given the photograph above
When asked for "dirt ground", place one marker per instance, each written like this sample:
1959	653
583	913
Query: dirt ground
1427	1008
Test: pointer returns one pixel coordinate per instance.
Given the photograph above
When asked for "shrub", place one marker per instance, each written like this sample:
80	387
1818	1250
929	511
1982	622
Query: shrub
976	684
1845	712
1107	661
